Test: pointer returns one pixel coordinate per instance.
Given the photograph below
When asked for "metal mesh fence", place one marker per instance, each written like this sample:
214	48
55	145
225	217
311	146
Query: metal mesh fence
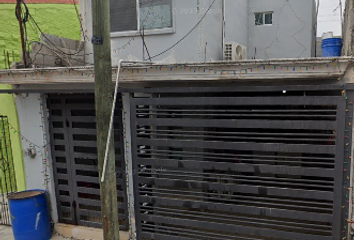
7	172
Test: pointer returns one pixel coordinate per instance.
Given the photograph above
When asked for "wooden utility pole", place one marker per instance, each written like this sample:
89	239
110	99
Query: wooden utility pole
103	99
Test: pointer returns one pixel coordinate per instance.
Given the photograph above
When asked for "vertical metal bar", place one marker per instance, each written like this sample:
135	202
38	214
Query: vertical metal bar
12	173
2	171
135	169
350	95
8	59
348	163
67	158
122	141
69	147
6	170
54	160
4	153
5	59
3	210
127	131
338	181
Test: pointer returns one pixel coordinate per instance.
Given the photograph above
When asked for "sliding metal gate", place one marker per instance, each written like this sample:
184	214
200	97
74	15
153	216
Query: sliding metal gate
7	171
74	149
247	164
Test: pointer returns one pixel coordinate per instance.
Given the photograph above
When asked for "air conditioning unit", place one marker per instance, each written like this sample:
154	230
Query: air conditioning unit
234	52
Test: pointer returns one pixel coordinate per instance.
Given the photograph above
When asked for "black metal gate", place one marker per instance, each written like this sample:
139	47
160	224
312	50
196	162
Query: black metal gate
74	149
238	163
7	172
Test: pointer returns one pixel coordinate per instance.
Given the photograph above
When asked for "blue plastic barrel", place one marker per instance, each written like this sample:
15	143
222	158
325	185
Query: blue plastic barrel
29	215
332	47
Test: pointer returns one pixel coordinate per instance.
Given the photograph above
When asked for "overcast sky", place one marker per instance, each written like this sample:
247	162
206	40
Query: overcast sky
329	17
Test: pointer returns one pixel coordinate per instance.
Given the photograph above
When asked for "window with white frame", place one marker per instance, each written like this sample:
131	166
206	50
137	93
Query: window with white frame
263	18
133	15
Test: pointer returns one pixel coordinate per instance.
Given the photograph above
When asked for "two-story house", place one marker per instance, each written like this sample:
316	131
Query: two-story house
197	30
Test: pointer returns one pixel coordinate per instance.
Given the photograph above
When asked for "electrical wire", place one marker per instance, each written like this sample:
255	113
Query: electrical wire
79	18
35	56
179	41
144	43
82	29
138	32
24	18
82	45
59	51
54	46
303	25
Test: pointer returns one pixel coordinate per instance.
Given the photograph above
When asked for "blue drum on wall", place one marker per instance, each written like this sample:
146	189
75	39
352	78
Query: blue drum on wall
332	47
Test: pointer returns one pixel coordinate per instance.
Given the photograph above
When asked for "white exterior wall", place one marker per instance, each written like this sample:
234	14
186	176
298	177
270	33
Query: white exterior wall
292	33
236	21
32	113
208	35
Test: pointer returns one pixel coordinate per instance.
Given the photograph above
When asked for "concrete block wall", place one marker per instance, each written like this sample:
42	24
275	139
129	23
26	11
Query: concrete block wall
67	52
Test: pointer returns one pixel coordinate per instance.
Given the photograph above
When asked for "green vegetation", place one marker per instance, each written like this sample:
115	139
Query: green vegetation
56	19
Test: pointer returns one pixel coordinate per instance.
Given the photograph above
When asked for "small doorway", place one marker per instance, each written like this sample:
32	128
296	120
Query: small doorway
74	152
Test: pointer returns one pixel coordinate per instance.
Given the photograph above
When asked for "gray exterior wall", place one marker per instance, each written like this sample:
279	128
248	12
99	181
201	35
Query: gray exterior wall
28	106
208	35
236	21
292	33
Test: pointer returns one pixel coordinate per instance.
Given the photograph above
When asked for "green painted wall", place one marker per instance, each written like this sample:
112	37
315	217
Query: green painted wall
8	108
57	19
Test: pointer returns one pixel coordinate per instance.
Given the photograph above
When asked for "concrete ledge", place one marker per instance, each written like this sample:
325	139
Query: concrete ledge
72	231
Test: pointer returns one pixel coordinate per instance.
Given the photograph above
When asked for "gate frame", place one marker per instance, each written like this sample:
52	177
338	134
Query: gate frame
347	196
74	221
344	112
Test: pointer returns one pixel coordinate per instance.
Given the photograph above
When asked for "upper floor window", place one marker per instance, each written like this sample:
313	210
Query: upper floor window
133	15
264	18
